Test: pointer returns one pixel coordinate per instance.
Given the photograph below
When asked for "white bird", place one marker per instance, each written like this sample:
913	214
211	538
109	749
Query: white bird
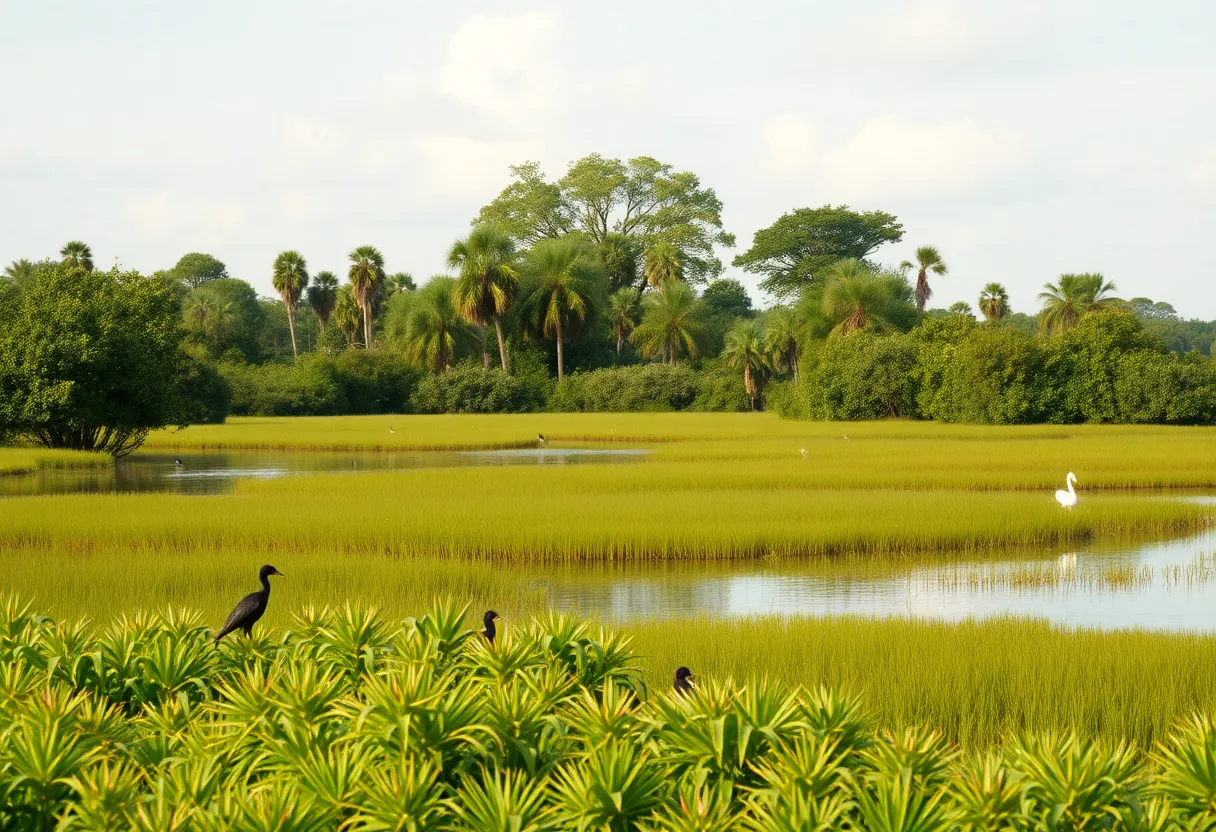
1068	562
1068	499
393	431
804	453
846	436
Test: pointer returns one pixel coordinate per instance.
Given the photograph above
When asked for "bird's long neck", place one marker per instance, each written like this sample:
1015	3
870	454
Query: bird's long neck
265	584
1071	480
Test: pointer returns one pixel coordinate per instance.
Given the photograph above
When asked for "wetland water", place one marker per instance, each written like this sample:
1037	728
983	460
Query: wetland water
1154	585
217	472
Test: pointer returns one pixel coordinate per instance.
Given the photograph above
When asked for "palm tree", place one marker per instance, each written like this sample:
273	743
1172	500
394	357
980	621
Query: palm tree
623	308
565	286
435	331
994	302
20	272
208	316
782	334
346	316
77	255
662	265
366	276
290	279
322	295
402	282
855	298
673	318
927	260
488	279
1074	295
745	349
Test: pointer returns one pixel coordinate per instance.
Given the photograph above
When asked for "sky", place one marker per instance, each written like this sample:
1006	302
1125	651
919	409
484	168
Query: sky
1024	139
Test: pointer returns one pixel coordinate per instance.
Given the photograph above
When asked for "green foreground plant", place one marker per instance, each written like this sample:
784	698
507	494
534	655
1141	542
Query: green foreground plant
351	721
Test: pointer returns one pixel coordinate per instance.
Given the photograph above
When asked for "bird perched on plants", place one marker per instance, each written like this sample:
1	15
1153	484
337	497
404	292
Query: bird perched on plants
251	608
540	439
683	683
490	631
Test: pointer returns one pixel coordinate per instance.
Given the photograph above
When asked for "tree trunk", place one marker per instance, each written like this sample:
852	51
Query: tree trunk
321	337
749	385
367	324
793	359
291	326
620	340
561	355
502	344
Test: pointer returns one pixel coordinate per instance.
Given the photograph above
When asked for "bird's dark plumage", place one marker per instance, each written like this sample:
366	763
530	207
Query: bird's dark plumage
488	619
683	683
177	462
251	608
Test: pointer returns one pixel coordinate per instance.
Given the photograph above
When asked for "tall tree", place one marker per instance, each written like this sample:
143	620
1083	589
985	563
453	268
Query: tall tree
20	272
195	269
1073	296
673	320
994	302
290	278
77	255
236	332
782	334
928	259
435	333
565	285
366	277
402	282
662	265
347	316
488	279
623	308
727	298
620	255
745	350
322	295
856	299
797	248
643	199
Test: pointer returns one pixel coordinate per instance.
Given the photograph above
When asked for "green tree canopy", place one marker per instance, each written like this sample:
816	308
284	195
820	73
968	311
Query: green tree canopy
224	318
620	255
92	361
644	200
428	328
728	298
745	350
290	279
195	269
77	255
673	321
857	299
322	295
488	280
1072	297
994	302
624	306
1149	310
564	288
799	246
367	278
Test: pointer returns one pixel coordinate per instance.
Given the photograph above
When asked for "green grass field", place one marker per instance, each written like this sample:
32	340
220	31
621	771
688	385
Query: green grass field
14	461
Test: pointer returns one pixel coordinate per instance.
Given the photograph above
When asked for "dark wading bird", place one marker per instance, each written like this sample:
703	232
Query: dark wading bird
540	439
488	619
251	608
683	683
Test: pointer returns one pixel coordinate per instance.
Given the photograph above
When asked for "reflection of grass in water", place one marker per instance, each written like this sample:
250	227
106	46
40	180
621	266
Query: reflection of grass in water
1038	577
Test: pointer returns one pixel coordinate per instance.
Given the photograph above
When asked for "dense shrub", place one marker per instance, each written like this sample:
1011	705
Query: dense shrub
309	387
993	376
353	721
864	376
470	388
720	389
641	387
376	381
206	396
1151	388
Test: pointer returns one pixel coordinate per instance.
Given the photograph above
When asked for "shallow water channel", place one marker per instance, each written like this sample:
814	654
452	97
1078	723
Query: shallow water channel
217	472
1154	585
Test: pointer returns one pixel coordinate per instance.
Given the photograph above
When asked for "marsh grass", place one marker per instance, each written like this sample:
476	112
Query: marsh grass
976	680
16	461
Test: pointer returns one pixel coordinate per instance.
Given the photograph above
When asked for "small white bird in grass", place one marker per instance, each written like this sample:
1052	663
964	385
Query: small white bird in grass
540	439
1068	499
804	453
392	430
846	436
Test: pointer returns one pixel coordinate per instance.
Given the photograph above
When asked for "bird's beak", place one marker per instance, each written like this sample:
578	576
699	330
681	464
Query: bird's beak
280	574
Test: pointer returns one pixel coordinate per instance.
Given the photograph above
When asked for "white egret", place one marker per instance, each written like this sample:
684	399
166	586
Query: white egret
804	454
1068	499
392	430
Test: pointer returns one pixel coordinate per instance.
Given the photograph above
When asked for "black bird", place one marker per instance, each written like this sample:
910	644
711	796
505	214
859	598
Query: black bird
488	619
540	439
251	608
683	684
177	462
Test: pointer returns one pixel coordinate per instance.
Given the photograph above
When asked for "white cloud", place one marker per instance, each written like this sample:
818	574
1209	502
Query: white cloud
790	140
197	218
461	169
1204	171
893	157
504	65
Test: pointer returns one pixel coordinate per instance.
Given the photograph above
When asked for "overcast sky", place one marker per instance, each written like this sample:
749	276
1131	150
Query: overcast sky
1022	138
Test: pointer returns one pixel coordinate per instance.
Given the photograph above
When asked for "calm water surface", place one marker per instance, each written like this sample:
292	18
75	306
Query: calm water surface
217	472
1159	585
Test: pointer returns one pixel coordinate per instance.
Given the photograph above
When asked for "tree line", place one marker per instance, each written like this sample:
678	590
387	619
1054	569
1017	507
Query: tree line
565	293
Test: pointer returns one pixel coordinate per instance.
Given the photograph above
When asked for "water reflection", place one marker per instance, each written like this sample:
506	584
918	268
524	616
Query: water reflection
1168	586
217	472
